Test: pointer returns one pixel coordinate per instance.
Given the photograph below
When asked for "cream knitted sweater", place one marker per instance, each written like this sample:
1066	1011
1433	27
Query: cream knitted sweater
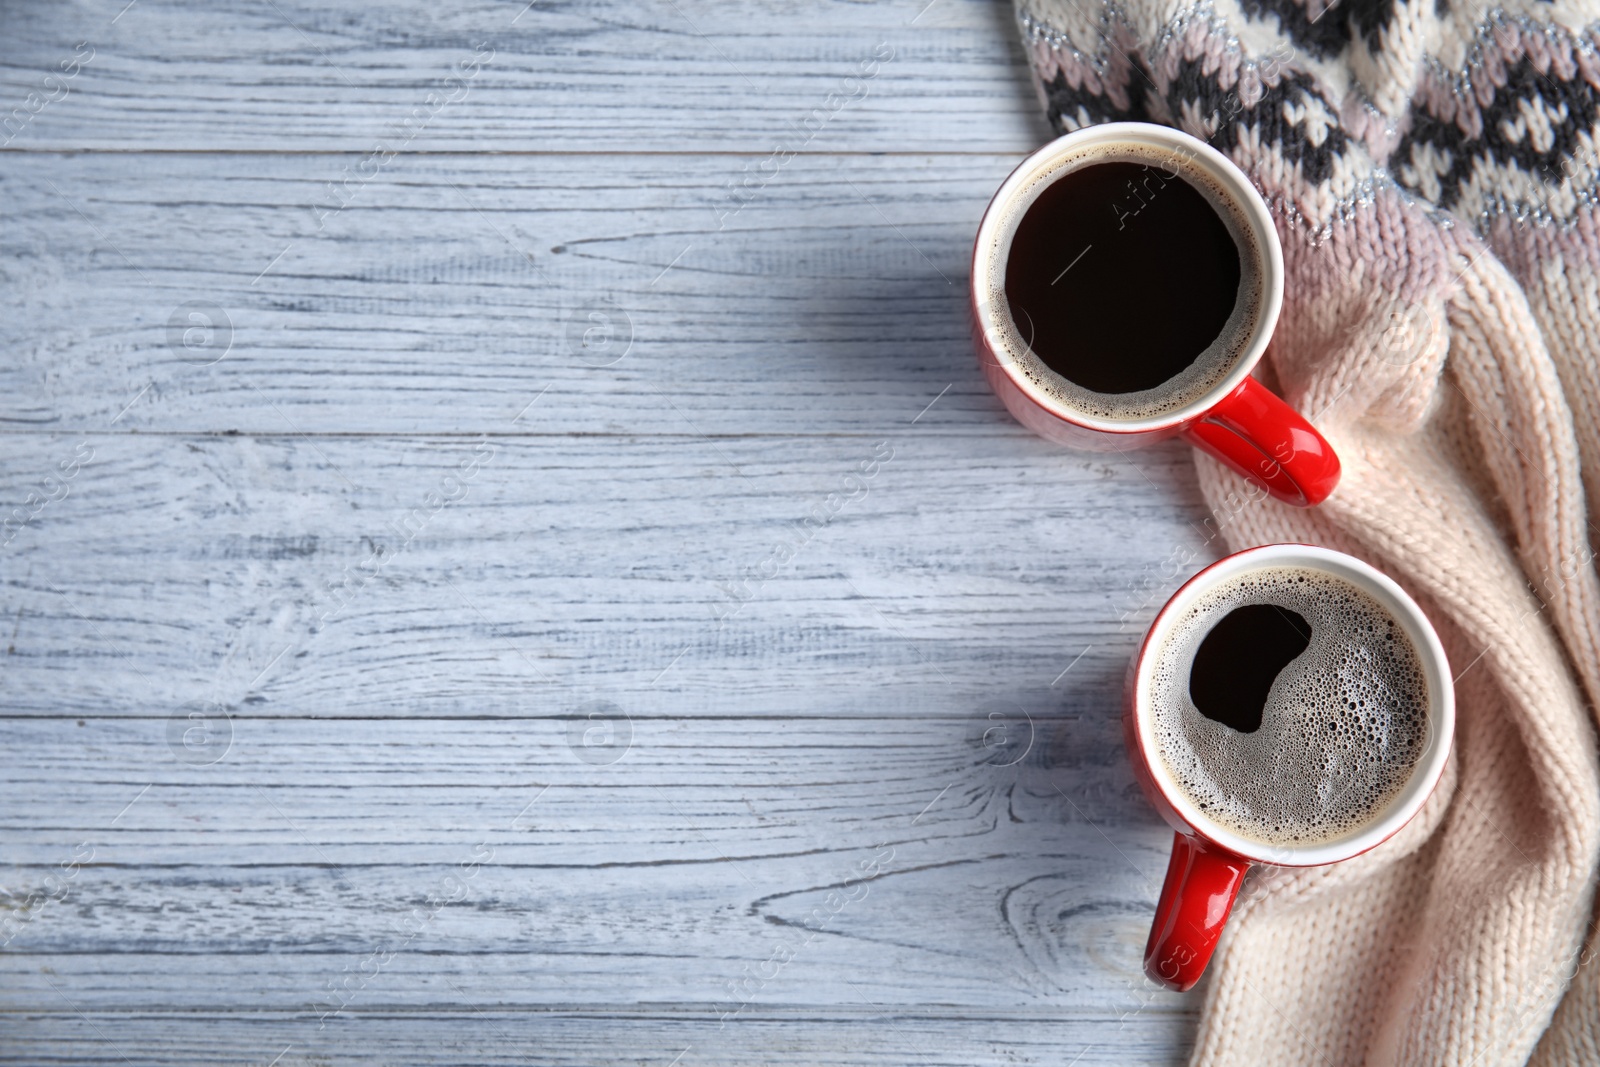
1432	168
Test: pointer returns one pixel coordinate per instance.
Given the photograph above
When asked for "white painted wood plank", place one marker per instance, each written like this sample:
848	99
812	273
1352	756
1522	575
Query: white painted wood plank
670	75
426	864
470	1038
814	793
385	677
454	290
456	577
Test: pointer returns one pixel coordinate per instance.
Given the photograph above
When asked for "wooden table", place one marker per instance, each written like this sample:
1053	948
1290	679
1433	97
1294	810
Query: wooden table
510	558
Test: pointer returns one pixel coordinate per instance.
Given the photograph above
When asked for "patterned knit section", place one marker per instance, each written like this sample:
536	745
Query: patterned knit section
1513	130
1274	120
1322	28
1498	117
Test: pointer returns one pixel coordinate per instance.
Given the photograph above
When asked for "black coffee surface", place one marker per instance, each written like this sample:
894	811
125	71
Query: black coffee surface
1240	658
1120	275
1345	721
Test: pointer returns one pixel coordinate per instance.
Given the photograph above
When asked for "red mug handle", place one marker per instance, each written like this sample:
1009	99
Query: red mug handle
1195	900
1267	441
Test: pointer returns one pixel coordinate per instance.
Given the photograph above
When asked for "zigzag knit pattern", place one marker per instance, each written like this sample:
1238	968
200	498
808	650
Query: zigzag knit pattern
1432	168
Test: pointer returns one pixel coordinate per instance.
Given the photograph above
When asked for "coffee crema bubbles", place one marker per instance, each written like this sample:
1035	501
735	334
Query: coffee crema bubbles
1343	728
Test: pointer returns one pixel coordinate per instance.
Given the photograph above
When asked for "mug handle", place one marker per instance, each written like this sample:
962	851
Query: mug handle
1195	901
1267	441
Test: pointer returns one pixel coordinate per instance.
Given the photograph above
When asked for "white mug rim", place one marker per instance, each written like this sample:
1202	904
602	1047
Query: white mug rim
1005	205
1441	704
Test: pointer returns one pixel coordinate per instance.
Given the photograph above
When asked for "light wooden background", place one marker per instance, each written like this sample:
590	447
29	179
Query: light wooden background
541	410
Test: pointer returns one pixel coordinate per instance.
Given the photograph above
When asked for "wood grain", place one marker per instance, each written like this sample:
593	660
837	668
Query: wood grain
468	1036
557	590
452	291
931	861
665	76
747	838
336	576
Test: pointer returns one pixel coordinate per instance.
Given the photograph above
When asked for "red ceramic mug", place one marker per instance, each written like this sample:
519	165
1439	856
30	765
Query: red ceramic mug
1237	419
1209	860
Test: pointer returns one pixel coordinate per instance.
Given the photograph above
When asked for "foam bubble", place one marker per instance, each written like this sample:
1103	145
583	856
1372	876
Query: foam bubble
1344	725
1208	369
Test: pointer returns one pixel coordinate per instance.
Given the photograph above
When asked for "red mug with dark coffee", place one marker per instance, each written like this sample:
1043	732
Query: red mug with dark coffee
1290	706
1126	279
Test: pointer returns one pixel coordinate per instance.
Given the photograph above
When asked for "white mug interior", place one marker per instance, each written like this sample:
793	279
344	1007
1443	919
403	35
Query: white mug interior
1441	704
1237	202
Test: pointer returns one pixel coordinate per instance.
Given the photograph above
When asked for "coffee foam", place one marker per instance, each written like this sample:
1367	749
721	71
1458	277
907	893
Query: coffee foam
1208	369
1344	726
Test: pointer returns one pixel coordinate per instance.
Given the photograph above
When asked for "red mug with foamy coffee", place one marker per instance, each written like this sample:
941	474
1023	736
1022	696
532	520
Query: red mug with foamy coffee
1290	706
1126	279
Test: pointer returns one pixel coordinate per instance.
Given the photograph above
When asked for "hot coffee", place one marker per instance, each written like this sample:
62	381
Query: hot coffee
1124	274
1289	706
1131	285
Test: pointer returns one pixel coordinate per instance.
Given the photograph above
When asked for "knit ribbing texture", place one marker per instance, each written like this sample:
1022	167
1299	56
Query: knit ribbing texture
1432	170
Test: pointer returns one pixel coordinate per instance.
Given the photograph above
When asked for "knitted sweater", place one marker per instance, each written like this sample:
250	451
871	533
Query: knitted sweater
1432	168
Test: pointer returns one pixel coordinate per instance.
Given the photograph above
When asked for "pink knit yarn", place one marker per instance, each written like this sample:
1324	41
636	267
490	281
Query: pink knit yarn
1433	172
